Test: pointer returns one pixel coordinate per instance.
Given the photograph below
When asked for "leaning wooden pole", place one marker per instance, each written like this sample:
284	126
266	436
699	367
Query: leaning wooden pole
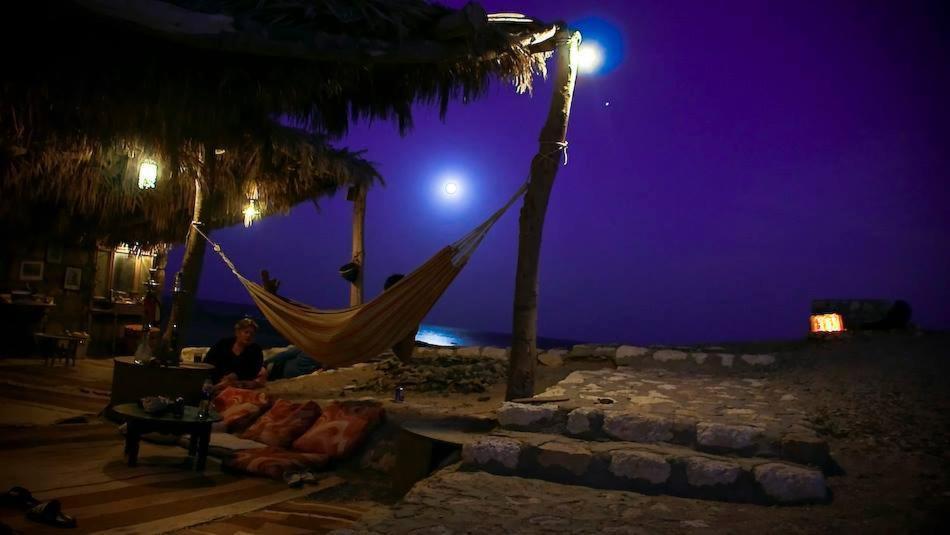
359	256
183	303
523	359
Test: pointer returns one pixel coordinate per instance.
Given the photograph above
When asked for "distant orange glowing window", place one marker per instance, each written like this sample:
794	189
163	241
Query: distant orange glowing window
826	323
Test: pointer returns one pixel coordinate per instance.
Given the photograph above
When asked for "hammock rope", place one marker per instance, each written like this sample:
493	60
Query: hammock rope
346	336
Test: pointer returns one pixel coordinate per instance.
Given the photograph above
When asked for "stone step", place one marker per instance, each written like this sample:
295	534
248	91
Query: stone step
796	444
738	417
646	468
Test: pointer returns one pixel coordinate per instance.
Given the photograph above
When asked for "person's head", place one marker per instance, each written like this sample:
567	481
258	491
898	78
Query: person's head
244	330
392	279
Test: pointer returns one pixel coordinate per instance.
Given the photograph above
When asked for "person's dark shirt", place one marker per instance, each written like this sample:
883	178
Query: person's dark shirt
246	365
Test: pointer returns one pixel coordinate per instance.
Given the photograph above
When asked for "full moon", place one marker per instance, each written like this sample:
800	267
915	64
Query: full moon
451	188
590	57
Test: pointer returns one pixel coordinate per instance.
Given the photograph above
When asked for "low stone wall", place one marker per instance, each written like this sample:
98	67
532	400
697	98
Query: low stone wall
652	468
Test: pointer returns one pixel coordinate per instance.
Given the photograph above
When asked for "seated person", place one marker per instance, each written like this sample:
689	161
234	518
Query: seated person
405	347
289	363
237	360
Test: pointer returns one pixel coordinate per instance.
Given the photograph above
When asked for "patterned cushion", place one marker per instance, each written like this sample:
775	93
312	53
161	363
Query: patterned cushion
283	423
273	461
239	407
340	429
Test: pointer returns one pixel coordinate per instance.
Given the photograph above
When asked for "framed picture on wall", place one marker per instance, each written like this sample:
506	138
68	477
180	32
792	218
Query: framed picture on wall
54	254
31	270
73	278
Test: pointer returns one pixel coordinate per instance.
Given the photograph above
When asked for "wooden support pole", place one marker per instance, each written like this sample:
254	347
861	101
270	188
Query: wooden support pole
523	360
359	257
183	304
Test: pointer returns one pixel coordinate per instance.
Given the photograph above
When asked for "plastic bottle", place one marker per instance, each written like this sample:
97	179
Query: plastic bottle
204	406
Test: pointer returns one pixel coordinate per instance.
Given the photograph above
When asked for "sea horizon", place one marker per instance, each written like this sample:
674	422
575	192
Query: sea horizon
213	320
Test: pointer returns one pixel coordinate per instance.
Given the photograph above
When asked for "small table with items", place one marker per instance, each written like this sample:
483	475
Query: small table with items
53	347
140	422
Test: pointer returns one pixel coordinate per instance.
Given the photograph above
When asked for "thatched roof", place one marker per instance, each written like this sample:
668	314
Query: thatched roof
177	71
88	83
102	199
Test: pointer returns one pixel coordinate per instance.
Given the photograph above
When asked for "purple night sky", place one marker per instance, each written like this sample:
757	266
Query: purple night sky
753	156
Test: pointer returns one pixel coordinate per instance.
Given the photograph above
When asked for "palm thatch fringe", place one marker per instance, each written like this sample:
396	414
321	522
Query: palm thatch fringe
93	191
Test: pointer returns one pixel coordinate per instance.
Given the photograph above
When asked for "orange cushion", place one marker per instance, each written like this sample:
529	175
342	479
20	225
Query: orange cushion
283	423
273	461
239	407
232	395
340	429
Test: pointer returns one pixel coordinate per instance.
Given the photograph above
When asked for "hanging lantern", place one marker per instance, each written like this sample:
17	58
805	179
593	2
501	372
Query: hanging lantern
250	213
148	174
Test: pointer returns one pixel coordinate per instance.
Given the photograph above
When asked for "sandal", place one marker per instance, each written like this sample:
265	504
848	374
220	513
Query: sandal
19	498
293	479
50	513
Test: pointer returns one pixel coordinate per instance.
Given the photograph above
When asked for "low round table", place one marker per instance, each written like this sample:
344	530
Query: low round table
140	422
132	382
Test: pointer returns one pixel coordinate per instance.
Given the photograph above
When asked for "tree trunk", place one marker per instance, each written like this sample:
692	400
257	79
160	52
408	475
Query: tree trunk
183	302
523	360
359	220
159	263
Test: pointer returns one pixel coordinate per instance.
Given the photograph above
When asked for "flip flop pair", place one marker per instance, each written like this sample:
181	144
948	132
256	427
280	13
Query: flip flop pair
51	514
297	479
19	498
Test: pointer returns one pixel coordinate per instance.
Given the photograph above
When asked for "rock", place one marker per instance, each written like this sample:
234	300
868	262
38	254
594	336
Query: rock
504	451
733	437
699	357
758	360
638	427
787	397
703	472
495	353
575	378
693	524
571	457
727	359
788	484
639	465
552	357
665	355
627	355
582	351
585	420
605	351
525	415
425	352
469	351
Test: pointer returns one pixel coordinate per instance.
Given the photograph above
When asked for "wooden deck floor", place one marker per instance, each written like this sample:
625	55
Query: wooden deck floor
82	465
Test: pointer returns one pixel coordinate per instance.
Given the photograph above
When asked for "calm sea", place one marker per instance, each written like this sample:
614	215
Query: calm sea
214	320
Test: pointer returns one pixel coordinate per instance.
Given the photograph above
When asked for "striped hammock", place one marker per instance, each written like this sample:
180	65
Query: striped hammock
343	337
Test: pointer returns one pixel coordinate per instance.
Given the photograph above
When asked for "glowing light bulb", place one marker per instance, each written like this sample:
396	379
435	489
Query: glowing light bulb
148	174
451	188
590	57
250	214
